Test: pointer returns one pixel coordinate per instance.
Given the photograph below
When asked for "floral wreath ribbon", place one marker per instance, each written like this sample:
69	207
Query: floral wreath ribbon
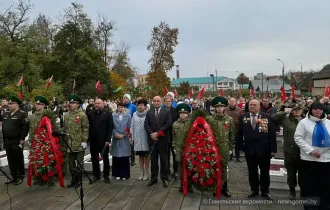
218	157
58	167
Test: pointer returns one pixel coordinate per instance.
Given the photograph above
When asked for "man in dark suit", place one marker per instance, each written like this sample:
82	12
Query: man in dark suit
99	136
174	117
157	124
259	136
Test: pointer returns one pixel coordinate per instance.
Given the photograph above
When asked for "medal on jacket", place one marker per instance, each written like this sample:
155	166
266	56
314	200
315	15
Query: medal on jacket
77	119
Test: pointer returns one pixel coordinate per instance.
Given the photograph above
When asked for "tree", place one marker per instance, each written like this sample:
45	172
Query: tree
300	79
162	46
117	81
158	80
242	79
14	20
183	89
103	34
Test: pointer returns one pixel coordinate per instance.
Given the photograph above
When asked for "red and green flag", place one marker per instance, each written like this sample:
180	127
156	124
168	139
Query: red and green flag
20	84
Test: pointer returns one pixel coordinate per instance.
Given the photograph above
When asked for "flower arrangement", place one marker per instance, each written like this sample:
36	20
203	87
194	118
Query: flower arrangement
46	158
201	159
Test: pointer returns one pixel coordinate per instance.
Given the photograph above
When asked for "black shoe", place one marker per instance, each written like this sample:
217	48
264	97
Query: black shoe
292	195
266	195
96	179
19	181
72	183
11	181
165	184
152	182
176	175
107	180
190	189
253	194
133	163
226	193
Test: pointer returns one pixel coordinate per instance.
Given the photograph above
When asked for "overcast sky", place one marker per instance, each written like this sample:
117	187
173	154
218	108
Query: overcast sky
233	35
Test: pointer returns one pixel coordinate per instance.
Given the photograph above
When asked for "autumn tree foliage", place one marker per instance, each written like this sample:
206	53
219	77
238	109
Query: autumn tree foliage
162	47
116	81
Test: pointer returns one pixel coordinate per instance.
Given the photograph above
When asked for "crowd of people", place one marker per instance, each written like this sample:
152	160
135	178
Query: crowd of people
153	130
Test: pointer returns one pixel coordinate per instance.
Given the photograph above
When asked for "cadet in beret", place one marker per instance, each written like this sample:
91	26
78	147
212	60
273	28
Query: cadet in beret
15	127
225	136
179	130
40	104
76	125
289	120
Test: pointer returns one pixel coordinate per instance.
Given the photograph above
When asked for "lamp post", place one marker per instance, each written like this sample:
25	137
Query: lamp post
262	84
212	75
282	72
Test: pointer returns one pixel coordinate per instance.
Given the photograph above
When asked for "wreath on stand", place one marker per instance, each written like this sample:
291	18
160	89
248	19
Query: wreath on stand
201	158
46	157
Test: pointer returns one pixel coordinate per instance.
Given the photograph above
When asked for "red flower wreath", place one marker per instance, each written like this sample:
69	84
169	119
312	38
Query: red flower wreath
46	158
201	159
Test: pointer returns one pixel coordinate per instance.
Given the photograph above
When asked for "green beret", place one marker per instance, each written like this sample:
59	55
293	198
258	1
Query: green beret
75	98
295	106
14	99
42	100
183	108
219	101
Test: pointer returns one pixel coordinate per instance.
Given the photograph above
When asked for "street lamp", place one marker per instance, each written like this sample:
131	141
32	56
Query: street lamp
282	72
212	75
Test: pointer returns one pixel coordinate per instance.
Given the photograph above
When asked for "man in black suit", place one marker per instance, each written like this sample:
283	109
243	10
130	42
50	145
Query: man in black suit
174	117
259	136
99	136
157	124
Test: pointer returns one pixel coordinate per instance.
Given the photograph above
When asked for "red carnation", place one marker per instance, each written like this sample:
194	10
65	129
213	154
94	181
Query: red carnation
38	151
52	157
199	157
204	150
202	183
206	166
194	179
194	162
202	144
50	173
36	173
202	174
160	133
44	177
209	182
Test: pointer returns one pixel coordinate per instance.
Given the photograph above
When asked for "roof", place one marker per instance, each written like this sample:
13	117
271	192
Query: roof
323	74
273	85
196	80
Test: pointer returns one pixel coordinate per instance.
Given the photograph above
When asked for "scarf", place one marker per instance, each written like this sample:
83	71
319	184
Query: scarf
320	136
141	114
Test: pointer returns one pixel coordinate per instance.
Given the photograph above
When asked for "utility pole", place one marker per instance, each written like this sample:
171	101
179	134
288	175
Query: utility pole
262	84
216	79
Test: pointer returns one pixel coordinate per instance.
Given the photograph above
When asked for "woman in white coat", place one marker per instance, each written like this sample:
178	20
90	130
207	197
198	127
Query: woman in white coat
312	137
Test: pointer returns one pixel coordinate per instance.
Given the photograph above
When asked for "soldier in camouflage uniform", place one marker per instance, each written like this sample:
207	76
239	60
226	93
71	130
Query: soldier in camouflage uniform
225	136
180	129
76	125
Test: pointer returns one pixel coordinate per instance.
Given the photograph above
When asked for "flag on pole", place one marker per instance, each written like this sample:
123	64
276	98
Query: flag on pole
221	92
74	85
20	84
118	89
267	93
310	87
148	87
98	87
200	94
252	92
327	91
175	93
239	92
191	93
293	92
165	91
283	95
49	82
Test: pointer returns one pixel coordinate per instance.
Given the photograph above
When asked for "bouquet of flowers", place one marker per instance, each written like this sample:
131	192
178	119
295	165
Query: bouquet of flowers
201	159
46	158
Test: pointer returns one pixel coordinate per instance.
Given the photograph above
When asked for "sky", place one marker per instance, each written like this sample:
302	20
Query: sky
228	35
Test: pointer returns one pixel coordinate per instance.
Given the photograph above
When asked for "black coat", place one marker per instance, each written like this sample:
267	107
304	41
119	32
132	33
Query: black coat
101	132
163	124
255	142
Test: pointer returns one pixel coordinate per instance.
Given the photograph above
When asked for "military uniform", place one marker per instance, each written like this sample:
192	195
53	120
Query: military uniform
76	125
225	138
15	127
180	129
291	149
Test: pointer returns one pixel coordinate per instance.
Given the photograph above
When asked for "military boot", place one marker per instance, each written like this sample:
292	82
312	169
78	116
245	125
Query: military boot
292	193
72	183
225	190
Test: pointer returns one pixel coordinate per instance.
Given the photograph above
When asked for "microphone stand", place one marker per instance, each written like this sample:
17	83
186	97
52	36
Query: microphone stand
5	174
81	171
